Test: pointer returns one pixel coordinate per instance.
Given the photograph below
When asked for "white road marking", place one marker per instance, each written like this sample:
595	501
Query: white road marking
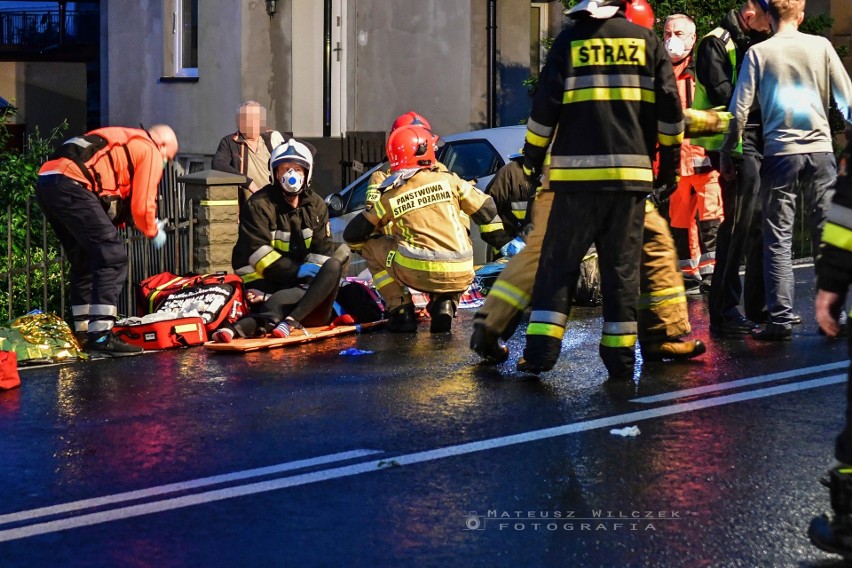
742	382
408	459
182	486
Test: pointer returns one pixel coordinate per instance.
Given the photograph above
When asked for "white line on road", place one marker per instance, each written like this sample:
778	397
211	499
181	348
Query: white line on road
183	486
417	457
743	382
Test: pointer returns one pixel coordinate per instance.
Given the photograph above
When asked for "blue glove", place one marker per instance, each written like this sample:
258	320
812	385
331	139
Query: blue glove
159	239
307	270
513	247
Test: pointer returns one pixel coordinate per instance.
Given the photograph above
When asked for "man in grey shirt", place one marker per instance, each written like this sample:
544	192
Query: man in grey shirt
793	76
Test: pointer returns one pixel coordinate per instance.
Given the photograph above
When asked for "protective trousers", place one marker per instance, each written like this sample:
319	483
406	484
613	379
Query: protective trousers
612	220
739	236
389	277
662	313
698	195
93	247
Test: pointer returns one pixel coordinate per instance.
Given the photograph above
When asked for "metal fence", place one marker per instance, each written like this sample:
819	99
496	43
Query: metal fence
43	28
34	281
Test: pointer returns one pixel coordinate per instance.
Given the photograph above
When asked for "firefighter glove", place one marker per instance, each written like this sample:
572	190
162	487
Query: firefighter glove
308	270
159	239
513	247
661	194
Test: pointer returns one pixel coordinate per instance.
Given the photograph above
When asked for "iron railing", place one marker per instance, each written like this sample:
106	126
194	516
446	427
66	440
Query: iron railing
45	28
37	277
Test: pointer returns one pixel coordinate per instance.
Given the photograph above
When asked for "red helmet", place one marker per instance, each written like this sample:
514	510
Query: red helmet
410	147
640	13
409	118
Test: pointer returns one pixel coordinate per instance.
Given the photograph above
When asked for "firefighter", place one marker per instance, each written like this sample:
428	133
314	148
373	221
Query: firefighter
601	170
698	193
90	185
834	275
718	57
429	248
492	233
662	313
284	252
512	192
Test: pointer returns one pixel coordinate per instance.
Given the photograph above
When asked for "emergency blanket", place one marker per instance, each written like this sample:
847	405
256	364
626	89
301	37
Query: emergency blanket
39	338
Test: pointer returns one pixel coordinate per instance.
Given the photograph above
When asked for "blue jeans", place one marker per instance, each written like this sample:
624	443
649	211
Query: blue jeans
781	178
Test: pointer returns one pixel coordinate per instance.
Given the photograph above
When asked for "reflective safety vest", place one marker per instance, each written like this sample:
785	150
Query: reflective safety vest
701	100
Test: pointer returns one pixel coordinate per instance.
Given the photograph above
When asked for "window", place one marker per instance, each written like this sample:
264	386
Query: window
181	39
470	159
538	36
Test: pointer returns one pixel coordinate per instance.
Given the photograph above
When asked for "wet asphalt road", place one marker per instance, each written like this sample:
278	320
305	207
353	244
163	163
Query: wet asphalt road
416	455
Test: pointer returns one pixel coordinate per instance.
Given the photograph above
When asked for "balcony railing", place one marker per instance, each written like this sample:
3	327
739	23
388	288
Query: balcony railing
38	30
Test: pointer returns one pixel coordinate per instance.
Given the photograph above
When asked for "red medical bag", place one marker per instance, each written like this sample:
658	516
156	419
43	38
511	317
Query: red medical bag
166	334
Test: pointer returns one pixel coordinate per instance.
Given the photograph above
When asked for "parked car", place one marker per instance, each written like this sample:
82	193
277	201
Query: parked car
475	156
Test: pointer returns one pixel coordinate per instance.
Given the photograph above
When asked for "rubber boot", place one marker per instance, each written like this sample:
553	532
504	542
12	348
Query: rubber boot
402	319
673	349
442	310
833	533
488	345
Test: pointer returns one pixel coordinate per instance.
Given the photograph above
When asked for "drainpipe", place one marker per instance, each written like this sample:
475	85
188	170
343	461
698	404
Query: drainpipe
326	71
491	63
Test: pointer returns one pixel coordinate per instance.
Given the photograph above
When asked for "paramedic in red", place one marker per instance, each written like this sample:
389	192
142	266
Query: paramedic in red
74	194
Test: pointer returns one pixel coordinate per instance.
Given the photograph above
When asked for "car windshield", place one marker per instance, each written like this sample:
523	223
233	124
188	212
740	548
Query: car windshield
470	159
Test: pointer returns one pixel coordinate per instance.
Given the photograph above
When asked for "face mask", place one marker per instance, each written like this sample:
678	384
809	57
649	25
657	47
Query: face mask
292	181
675	48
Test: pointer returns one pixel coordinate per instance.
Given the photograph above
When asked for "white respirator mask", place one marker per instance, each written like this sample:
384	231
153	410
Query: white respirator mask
675	48
292	181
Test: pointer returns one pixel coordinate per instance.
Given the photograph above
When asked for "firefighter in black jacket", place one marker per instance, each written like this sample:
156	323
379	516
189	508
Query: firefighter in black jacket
834	275
284	252
609	86
512	192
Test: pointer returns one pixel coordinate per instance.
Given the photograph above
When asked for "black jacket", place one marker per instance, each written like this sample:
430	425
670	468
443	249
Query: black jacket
275	239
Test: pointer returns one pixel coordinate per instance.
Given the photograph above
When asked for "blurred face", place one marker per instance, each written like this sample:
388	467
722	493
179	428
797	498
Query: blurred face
251	121
682	29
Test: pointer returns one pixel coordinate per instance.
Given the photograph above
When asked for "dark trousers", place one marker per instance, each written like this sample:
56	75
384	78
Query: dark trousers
843	444
739	237
613	221
93	247
310	306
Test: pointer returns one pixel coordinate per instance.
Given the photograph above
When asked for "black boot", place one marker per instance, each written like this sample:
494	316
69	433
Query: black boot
442	310
402	319
108	345
488	345
82	338
833	533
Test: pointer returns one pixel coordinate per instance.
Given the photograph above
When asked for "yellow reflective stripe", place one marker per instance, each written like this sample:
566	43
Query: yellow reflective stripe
380	209
218	203
266	261
618	340
667	140
283	246
382	279
520	214
491	227
308	242
837	236
251	277
602	174
434	265
536	140
608	94
665	297
511	294
547	329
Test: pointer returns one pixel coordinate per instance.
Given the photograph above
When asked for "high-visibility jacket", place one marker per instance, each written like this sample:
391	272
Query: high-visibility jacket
834	262
130	167
609	87
702	102
425	213
275	238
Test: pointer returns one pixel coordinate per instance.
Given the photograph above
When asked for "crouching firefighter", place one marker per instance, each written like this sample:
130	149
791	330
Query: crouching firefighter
91	184
284	252
429	248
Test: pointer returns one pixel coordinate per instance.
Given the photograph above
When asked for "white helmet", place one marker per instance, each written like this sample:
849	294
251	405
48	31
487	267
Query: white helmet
297	153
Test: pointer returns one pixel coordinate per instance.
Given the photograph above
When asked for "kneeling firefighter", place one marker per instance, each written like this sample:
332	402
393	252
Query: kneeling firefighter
429	248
